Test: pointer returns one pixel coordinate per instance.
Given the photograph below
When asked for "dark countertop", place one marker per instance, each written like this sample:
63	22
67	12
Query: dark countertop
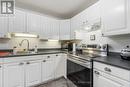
114	60
43	52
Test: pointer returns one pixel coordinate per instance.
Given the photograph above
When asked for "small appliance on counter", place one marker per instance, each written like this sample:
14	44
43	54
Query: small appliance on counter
125	53
69	46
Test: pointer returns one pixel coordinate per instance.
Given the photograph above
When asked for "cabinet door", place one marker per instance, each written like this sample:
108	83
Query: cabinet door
14	75
101	80
48	68
3	25
33	23
33	73
75	26
114	16
1	77
64	29
60	65
45	28
104	82
54	29
17	23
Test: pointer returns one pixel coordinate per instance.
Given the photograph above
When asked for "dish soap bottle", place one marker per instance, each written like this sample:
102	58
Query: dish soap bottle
14	50
35	49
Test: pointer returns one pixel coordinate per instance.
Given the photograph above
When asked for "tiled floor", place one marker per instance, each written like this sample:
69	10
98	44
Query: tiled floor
58	83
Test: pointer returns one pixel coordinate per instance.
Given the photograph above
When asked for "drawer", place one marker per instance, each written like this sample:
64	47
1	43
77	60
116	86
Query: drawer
115	71
21	58
52	56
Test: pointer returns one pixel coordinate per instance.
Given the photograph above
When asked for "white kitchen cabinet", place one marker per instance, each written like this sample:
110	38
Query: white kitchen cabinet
60	65
45	28
75	25
92	13
114	17
1	76
65	29
33	73
102	81
13	75
33	23
48	68
54	34
110	76
3	26
50	28
26	72
17	22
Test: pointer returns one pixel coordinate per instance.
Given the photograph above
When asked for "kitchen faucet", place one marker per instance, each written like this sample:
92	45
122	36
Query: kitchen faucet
27	43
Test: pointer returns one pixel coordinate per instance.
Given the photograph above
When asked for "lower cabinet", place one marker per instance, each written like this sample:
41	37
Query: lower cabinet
36	70
60	65
1	85
33	72
13	75
110	76
48	68
102	81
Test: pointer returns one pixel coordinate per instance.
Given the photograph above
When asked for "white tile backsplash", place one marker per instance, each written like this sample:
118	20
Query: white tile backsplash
116	43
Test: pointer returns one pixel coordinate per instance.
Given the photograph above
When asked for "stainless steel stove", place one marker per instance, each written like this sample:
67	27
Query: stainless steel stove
79	66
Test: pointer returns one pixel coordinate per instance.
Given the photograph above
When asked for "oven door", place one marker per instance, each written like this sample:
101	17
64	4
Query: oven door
78	74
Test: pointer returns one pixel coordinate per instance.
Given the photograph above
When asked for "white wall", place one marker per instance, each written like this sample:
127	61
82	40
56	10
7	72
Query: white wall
116	43
9	44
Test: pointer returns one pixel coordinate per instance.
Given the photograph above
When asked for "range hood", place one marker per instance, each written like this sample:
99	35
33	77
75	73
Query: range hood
24	35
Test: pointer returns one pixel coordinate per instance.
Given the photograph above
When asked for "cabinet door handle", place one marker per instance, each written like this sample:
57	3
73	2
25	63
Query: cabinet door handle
48	56
21	64
107	69
44	60
56	55
28	63
96	72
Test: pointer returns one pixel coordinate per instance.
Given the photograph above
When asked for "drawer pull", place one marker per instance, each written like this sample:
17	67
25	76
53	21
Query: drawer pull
48	56
21	64
96	72
28	63
56	55
107	69
44	60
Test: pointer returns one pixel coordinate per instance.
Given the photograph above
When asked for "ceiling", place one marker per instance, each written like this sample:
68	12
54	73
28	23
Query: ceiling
57	8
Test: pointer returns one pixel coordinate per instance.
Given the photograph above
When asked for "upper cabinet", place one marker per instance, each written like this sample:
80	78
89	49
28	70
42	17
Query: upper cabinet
49	28
33	23
91	14
54	30
75	25
17	22
115	17
3	26
65	29
88	16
